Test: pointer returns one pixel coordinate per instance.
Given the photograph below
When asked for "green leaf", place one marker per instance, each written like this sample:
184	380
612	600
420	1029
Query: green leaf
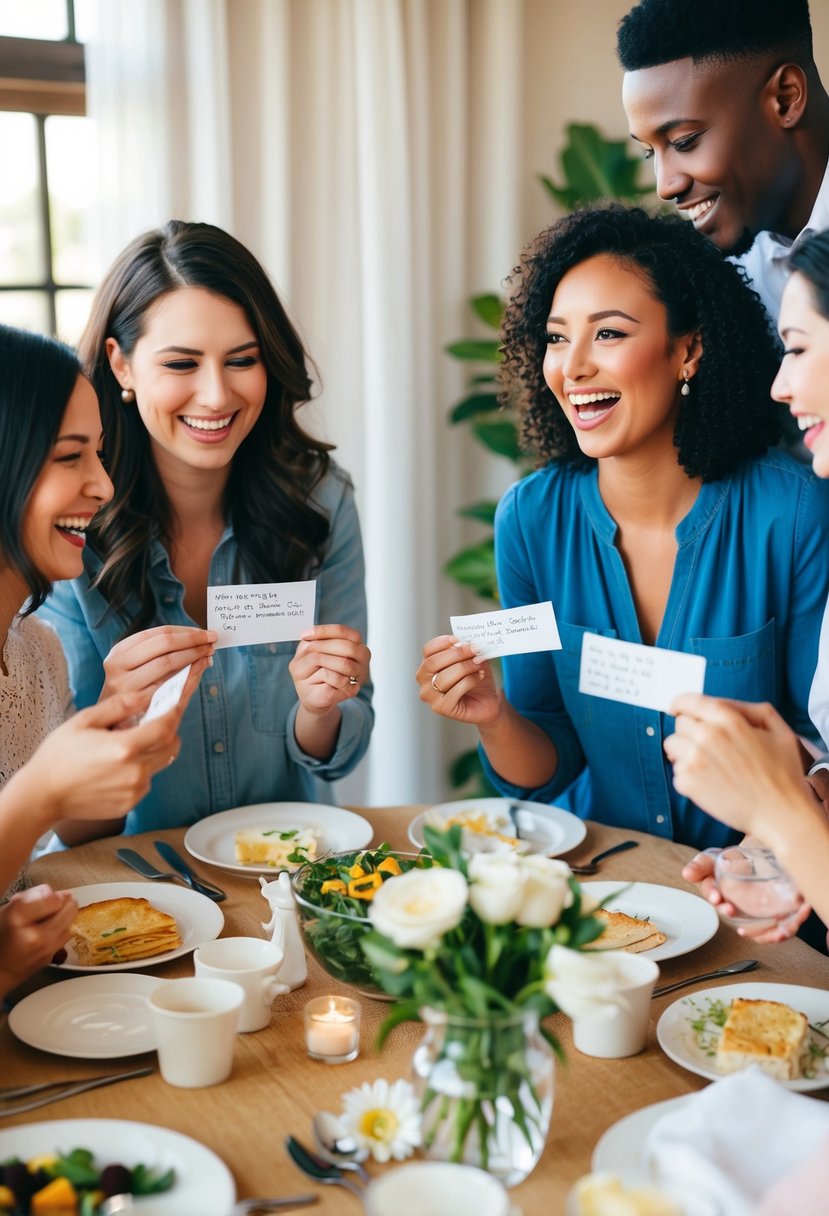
475	567
471	406
595	168
464	767
489	308
500	437
483	511
487	350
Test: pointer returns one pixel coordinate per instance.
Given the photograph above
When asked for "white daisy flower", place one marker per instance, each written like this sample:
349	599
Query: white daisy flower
383	1118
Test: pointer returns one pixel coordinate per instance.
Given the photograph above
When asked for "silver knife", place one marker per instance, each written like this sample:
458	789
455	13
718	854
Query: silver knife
140	864
70	1090
181	867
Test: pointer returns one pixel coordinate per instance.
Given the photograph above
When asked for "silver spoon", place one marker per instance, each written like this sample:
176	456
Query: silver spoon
321	1171
747	964
590	867
333	1146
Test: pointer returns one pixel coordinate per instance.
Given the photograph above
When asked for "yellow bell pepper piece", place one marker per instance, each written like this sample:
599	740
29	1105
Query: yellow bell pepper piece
364	887
7	1199
333	884
44	1162
59	1198
356	871
390	866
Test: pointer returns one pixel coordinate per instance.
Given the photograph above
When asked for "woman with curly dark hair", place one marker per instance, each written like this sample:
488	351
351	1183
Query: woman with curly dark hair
200	375
642	365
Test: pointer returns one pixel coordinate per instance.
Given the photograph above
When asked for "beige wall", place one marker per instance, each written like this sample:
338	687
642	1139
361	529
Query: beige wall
572	74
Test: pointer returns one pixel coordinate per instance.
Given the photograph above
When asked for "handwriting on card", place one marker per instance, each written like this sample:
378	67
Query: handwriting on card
252	614
510	630
648	676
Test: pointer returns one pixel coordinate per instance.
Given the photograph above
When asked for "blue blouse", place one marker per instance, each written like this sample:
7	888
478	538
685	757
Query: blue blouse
749	586
237	733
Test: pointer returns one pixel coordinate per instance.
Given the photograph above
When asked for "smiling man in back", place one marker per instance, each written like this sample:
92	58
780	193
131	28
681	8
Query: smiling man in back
725	98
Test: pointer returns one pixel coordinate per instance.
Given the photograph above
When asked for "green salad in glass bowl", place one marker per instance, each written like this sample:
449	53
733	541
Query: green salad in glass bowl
333	896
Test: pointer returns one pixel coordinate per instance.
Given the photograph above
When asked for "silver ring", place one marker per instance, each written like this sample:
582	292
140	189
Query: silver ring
353	681
437	689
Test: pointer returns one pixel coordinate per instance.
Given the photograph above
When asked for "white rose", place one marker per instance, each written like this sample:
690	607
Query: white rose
584	984
546	891
415	909
496	886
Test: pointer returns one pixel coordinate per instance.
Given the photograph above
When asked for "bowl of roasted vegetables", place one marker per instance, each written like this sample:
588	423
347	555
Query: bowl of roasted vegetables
333	896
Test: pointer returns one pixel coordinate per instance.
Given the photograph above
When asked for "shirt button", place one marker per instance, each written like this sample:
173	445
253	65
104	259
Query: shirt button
650	732
169	599
272	647
213	690
659	818
219	747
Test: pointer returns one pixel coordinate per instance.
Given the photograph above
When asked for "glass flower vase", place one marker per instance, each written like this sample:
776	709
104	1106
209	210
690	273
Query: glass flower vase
485	1087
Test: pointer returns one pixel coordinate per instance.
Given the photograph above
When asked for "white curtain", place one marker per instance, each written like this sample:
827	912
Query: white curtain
369	152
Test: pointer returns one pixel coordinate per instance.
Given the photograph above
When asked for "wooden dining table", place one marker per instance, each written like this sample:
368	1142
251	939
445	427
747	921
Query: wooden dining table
275	1088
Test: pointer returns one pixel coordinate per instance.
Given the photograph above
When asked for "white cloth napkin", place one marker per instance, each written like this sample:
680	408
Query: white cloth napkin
737	1137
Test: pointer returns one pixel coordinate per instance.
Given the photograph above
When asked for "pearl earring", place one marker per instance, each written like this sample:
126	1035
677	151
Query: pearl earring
127	396
686	388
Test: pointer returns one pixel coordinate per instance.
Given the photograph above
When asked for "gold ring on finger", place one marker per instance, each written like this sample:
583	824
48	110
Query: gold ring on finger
353	681
437	687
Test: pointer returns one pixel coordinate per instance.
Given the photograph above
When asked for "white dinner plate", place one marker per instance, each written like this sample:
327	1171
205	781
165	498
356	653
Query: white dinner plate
93	1017
622	1146
214	839
686	920
677	1039
204	1185
547	829
198	918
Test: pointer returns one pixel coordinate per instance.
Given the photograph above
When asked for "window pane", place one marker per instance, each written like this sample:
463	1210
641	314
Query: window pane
72	308
25	309
21	251
34	19
70	156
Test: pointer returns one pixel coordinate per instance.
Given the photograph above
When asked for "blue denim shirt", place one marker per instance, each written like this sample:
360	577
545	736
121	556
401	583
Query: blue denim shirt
238	744
749	586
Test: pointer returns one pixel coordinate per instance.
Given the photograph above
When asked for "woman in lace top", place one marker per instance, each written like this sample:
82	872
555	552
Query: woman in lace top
52	483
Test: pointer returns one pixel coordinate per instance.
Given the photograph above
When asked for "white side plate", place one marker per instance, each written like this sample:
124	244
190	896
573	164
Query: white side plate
204	1185
686	920
547	829
92	1017
198	918
214	839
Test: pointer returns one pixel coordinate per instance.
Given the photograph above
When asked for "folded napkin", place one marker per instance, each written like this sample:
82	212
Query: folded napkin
737	1138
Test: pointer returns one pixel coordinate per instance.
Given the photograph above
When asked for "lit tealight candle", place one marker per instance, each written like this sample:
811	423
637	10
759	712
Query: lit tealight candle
332	1029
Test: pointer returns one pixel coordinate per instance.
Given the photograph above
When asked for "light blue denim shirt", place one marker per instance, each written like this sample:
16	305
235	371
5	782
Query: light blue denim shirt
238	744
749	585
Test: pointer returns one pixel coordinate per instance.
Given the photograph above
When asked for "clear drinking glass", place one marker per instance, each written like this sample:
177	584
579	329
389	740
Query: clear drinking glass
752	880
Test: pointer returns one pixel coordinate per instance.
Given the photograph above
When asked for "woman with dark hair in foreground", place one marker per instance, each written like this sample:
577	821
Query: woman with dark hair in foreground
201	374
642	366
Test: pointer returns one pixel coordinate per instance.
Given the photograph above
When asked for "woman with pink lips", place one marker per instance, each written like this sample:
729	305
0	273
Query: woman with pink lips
201	374
642	365
53	772
742	762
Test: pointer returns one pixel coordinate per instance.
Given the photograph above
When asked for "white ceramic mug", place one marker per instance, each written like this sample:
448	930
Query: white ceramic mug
195	1021
623	1029
436	1187
250	962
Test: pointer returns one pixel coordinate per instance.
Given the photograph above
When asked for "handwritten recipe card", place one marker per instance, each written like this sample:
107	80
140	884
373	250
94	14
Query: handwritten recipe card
253	614
638	675
510	630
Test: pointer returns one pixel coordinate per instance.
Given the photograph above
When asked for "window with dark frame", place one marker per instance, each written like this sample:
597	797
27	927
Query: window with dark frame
45	264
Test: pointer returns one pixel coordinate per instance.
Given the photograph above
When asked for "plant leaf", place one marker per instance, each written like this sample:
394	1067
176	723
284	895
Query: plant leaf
483	511
476	403
594	168
489	308
499	436
487	350
475	567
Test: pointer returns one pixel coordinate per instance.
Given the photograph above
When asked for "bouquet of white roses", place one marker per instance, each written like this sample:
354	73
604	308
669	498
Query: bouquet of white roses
482	942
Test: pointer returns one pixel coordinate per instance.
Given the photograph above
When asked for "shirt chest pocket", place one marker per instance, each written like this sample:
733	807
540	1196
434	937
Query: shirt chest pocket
272	692
741	667
568	665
